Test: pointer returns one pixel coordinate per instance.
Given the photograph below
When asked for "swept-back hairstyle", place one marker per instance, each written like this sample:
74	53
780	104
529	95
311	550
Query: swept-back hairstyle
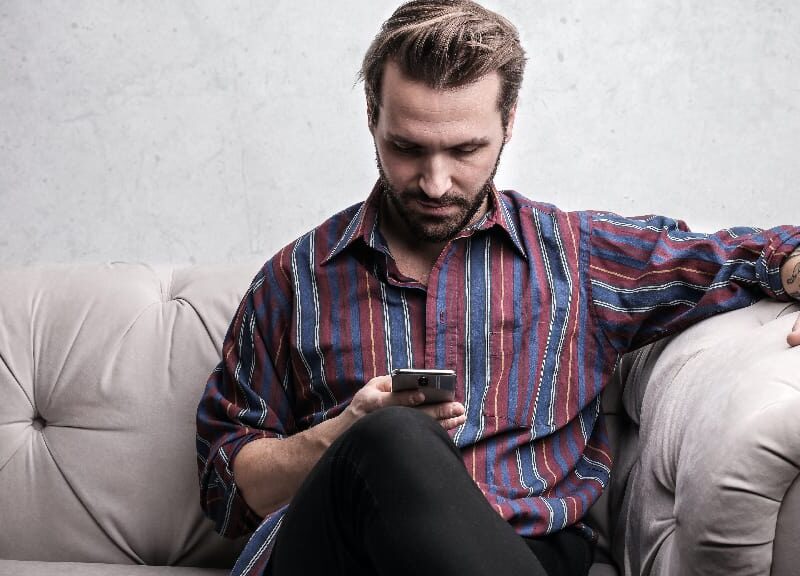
445	44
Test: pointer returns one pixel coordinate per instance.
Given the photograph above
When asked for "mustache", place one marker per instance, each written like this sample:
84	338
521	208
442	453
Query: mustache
446	199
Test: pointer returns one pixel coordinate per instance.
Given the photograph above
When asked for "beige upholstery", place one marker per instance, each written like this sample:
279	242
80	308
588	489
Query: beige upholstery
101	368
713	487
100	372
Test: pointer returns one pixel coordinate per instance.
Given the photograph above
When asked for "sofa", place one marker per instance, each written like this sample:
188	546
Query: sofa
101	368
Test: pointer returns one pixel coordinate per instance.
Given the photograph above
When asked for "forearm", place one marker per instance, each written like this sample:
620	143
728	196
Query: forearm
269	471
790	274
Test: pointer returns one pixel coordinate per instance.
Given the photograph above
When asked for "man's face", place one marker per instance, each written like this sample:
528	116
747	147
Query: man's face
437	152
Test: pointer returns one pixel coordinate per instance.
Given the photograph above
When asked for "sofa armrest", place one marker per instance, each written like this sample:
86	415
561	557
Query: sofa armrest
713	487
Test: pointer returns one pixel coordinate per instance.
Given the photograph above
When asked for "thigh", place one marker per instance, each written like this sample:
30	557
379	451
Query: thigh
392	496
565	553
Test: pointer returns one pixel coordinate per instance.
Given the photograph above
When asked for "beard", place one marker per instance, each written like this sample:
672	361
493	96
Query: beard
429	228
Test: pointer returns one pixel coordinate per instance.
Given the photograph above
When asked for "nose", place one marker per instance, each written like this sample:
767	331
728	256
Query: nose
435	179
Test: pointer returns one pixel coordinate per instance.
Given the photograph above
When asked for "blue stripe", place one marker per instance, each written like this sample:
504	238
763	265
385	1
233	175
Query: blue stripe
398	343
516	343
353	269
476	291
442	313
306	308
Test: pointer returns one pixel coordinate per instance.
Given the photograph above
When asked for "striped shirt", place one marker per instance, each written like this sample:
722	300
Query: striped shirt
531	306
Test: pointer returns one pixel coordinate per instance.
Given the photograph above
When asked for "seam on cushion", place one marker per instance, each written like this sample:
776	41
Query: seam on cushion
790	308
793	484
669	382
199	317
168	296
13	453
673	470
21	387
130	554
58	378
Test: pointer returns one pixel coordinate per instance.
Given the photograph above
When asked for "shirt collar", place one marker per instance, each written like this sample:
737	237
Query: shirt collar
363	226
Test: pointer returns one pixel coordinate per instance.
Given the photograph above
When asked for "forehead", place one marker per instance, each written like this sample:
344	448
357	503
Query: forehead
414	106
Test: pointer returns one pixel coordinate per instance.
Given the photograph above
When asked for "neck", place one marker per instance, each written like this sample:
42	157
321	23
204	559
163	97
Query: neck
414	257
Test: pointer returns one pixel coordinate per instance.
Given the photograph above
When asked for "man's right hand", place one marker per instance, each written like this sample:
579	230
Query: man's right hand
269	471
377	393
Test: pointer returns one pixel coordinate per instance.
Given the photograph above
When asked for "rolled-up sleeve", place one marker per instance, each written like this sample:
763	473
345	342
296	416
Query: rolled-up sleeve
652	277
246	397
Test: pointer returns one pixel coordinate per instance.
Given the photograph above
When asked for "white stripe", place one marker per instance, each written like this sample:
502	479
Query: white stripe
387	328
631	224
688	303
317	308
467	343
595	463
232	493
347	231
263	414
568	311
407	325
553	306
509	221
549	516
263	547
563	502
535	470
238	369
299	313
520	472
486	329
658	287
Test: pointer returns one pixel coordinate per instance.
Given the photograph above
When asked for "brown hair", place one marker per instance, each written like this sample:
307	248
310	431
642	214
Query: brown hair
445	44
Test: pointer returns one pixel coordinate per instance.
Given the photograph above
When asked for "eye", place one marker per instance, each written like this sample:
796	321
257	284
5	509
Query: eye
466	150
408	149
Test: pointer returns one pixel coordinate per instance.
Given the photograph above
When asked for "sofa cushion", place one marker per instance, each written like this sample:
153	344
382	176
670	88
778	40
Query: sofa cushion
719	449
32	568
101	369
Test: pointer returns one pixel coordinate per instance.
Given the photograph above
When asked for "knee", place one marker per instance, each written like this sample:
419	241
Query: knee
396	424
392	432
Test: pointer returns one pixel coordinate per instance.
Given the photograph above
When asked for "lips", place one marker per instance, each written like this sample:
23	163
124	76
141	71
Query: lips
434	208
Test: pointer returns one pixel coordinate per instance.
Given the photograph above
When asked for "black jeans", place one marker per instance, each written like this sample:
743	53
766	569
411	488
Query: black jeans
392	497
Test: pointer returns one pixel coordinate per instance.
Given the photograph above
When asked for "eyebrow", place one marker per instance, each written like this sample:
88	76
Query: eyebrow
471	142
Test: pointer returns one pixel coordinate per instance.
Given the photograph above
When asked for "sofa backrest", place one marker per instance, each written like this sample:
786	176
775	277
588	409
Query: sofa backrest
101	369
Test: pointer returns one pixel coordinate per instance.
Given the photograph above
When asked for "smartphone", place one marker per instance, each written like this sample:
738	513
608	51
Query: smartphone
437	385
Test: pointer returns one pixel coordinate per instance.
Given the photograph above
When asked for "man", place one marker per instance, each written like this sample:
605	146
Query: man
299	435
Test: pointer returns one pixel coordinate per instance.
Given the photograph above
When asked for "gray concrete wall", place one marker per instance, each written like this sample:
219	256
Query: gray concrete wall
204	131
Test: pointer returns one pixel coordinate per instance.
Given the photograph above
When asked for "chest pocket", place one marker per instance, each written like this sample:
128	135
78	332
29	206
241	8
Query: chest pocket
507	334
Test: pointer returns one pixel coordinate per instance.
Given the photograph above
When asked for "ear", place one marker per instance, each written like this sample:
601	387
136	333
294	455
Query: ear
512	114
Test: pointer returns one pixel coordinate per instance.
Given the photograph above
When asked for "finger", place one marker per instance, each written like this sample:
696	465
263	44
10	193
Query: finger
404	398
450	423
794	336
444	410
382	383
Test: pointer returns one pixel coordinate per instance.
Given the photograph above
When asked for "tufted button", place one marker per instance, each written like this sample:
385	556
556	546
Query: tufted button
38	422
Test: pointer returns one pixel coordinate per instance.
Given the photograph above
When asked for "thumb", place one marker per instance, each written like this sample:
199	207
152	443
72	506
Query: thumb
382	383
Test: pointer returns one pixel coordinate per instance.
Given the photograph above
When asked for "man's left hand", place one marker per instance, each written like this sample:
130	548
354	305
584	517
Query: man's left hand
794	336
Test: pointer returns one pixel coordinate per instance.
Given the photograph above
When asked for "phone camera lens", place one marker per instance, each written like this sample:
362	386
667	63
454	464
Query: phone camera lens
422	381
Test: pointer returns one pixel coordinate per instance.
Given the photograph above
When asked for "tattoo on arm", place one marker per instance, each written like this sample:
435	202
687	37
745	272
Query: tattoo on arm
794	274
